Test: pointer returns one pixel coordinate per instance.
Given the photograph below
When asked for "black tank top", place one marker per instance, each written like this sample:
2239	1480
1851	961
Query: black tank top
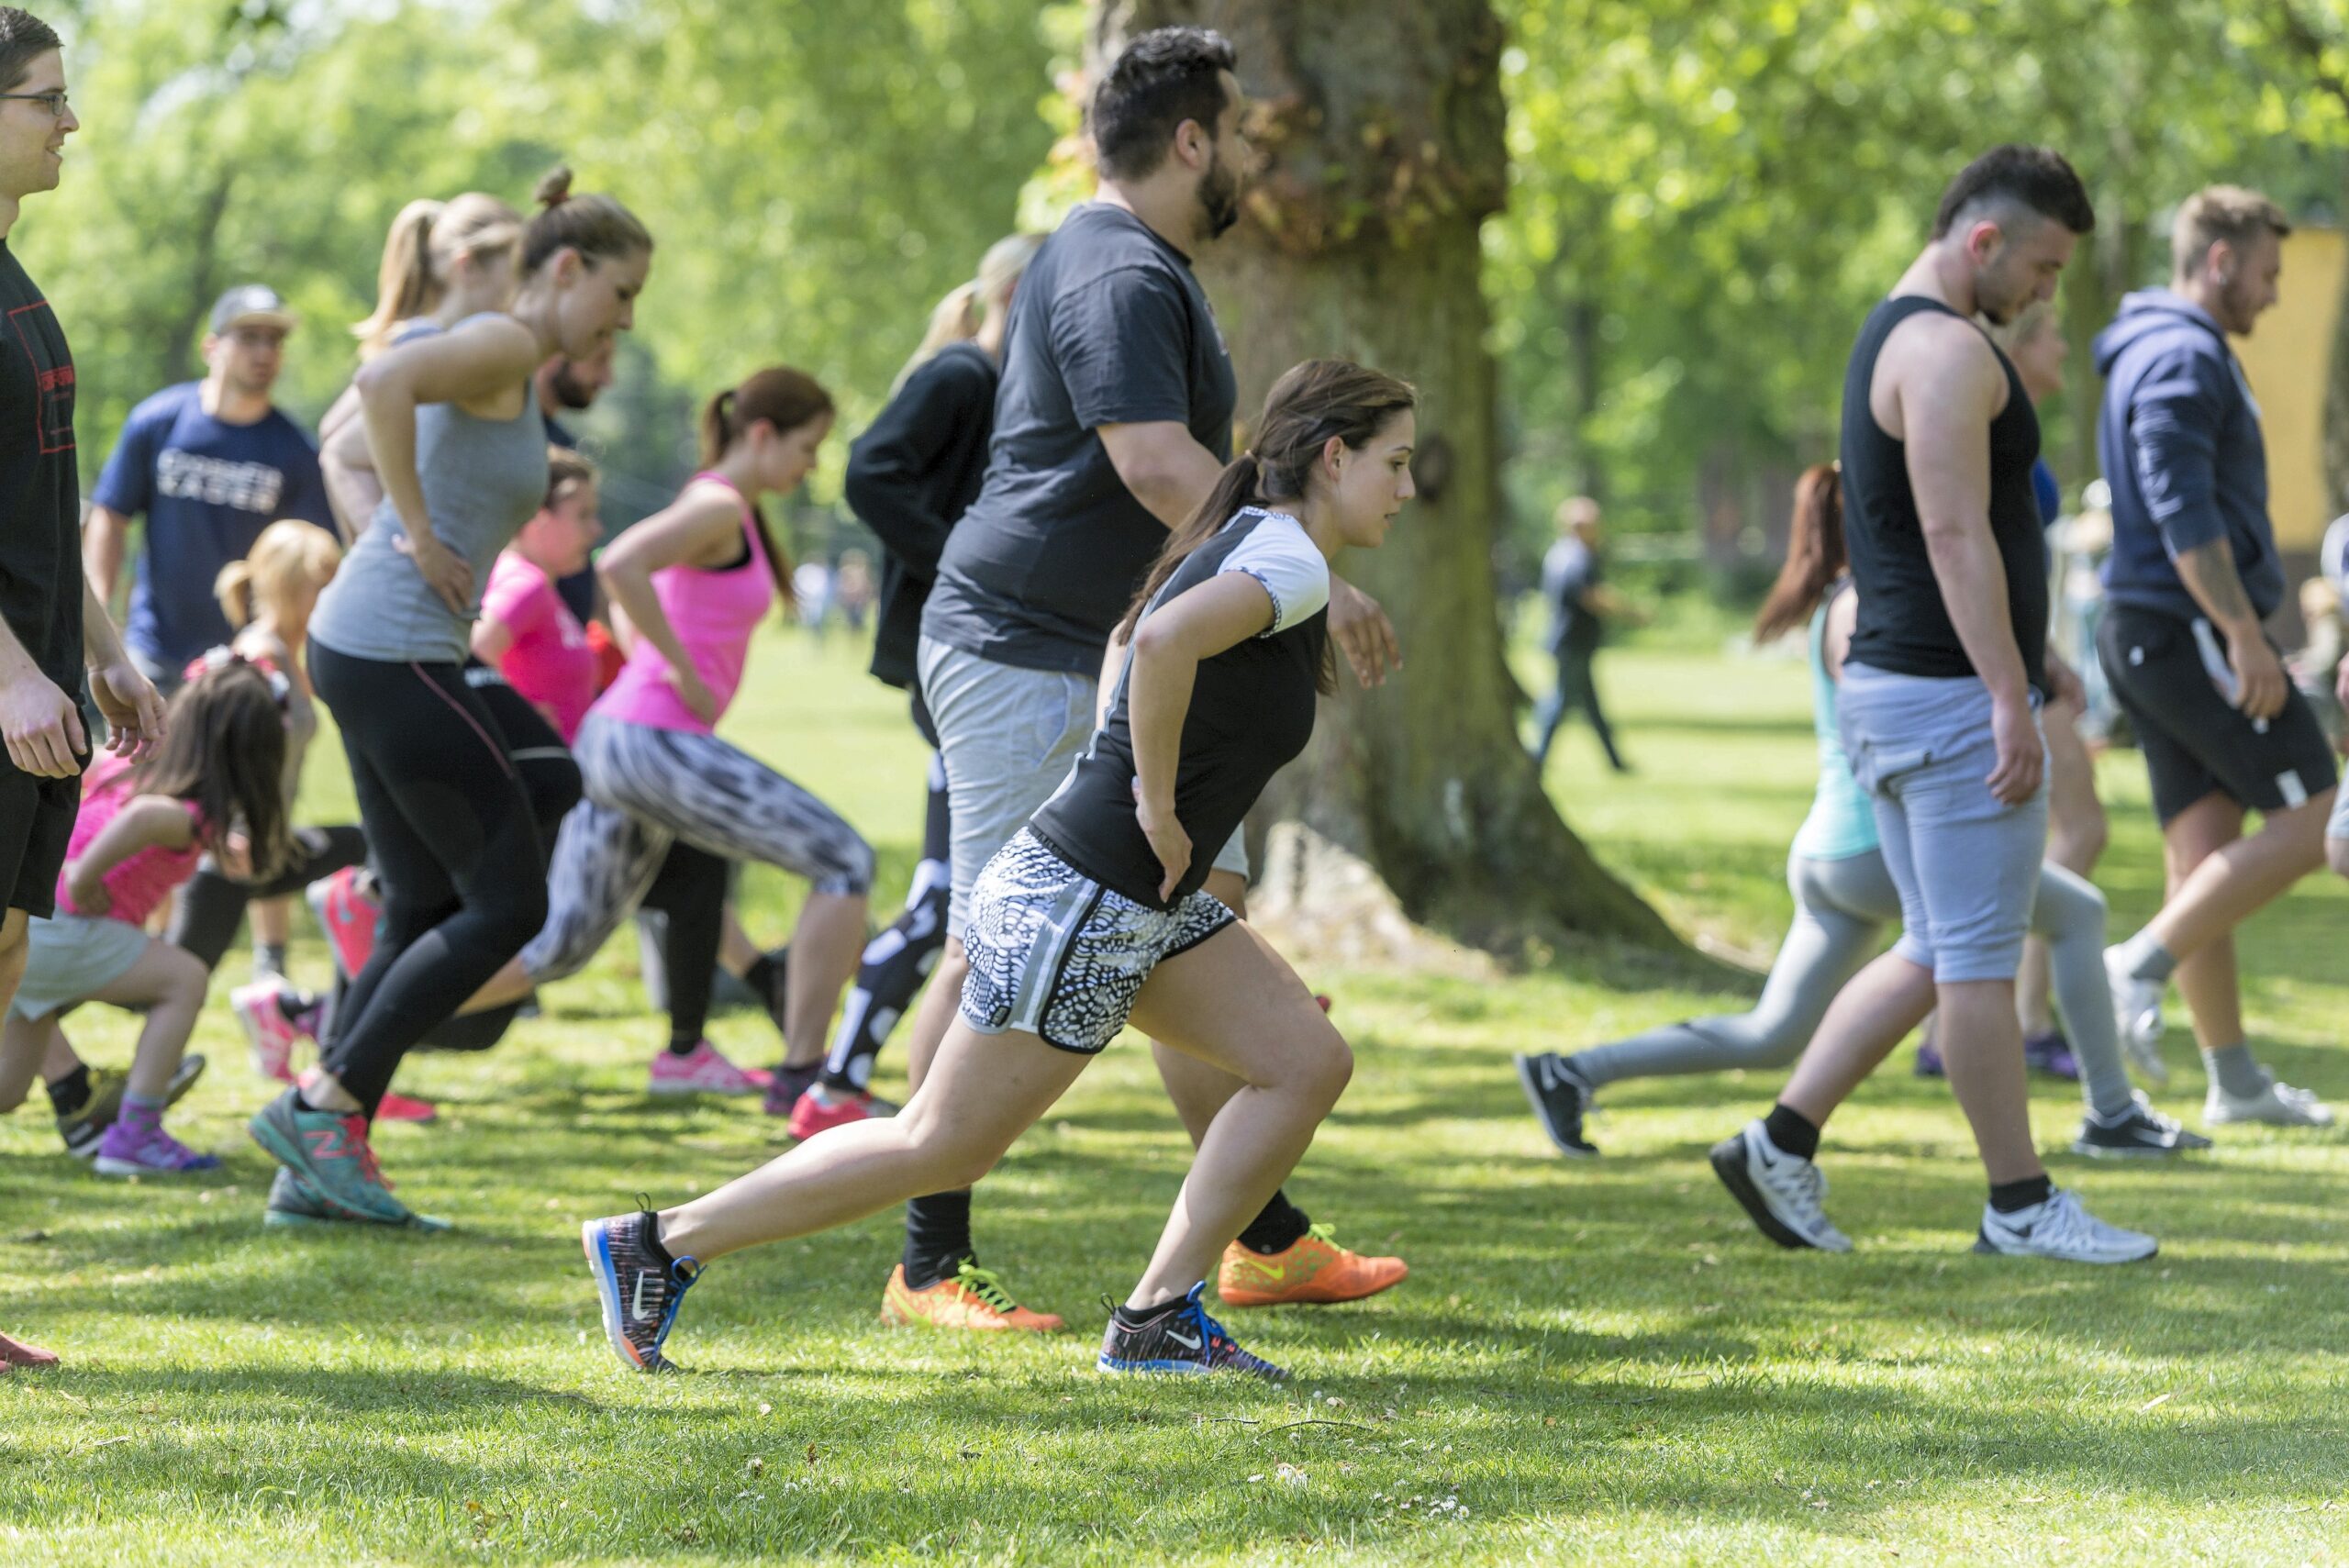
1903	626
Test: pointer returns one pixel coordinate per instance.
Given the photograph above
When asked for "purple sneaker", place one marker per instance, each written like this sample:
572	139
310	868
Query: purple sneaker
137	1146
1929	1061
2051	1053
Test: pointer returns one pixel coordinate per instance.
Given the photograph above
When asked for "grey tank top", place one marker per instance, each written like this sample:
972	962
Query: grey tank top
483	479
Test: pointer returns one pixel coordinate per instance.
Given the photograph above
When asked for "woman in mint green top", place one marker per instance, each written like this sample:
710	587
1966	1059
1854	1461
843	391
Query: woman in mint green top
1844	903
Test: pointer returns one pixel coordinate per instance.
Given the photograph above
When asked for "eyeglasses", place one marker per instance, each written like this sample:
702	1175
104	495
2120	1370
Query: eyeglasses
54	101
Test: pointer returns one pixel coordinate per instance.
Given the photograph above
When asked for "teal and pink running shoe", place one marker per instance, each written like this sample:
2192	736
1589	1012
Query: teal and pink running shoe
331	1154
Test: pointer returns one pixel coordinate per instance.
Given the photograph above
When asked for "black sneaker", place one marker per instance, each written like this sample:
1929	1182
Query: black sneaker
2140	1132
1559	1096
785	1087
85	1127
1184	1341
638	1289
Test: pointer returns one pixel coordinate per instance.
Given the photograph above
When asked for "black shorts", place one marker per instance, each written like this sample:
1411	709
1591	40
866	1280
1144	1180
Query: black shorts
36	824
2195	741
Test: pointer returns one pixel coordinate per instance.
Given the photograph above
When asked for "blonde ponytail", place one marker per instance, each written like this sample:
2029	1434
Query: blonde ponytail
958	317
404	285
234	589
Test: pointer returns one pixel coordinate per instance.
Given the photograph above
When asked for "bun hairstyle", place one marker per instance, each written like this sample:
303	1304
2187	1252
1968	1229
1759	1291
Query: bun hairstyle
288	555
957	318
785	399
1815	553
595	225
224	748
1310	404
426	239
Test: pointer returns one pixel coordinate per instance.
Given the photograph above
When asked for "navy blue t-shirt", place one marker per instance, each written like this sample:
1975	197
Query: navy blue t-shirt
207	489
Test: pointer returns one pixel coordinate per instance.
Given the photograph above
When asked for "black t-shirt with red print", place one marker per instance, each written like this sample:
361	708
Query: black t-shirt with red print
40	491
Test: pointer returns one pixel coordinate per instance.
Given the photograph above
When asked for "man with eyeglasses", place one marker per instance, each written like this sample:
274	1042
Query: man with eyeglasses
51	626
209	463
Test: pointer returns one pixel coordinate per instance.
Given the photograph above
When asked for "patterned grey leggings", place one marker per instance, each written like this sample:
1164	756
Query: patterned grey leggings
648	787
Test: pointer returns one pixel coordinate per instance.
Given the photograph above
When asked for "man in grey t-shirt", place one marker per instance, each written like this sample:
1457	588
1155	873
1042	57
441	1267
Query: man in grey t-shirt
1113	422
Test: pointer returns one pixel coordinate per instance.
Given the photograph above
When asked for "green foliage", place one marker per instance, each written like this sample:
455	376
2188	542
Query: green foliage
1706	195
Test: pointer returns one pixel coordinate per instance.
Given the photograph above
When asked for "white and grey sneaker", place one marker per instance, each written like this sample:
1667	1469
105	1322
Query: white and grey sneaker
2061	1228
2139	1132
1784	1194
2137	1014
1559	1095
2278	1104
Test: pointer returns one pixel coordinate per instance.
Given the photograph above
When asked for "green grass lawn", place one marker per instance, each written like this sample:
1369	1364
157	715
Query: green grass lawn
1591	1361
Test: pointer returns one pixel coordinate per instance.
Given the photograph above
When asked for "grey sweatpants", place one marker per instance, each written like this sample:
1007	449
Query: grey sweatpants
1842	909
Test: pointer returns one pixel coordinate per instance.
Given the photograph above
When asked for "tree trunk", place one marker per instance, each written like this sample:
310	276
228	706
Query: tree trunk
1379	123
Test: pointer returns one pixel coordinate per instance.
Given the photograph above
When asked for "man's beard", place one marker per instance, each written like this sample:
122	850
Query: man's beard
1219	197
569	391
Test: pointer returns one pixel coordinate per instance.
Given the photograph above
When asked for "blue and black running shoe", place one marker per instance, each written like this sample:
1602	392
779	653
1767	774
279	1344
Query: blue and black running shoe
637	1285
1185	1339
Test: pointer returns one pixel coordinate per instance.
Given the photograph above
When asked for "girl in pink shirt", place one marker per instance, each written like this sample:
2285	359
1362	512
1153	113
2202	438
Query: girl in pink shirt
526	629
695	580
215	786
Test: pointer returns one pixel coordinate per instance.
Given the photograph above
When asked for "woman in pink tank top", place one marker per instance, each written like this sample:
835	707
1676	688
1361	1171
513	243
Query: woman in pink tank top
695	580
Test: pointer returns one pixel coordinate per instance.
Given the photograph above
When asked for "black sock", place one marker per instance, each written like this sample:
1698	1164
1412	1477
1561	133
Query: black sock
1280	1227
1792	1131
938	1236
683	1042
765	976
1128	1318
652	1239
2008	1197
71	1092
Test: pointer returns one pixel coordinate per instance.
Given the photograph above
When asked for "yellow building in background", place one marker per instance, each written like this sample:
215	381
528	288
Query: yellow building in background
2285	359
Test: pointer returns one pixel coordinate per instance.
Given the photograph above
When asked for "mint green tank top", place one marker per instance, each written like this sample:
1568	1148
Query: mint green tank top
1842	823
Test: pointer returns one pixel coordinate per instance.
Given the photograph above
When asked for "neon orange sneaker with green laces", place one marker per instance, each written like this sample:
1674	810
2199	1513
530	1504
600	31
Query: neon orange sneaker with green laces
971	1298
1312	1269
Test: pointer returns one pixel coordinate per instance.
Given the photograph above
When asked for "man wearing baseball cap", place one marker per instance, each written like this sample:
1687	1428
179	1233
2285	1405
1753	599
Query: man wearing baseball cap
209	464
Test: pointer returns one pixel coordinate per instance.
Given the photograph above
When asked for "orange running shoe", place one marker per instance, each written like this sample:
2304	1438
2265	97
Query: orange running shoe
1312	1269
974	1298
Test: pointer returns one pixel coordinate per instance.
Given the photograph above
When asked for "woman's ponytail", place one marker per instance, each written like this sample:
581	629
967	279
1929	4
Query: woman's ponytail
234	589
1815	554
404	286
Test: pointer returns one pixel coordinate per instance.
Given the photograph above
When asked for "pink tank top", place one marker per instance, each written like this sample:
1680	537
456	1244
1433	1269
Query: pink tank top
714	614
141	882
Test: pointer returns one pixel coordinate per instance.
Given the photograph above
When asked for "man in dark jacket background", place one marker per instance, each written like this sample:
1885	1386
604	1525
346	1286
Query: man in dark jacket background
2193	574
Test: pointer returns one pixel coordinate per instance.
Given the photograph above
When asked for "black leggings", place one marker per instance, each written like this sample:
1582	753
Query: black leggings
457	854
212	904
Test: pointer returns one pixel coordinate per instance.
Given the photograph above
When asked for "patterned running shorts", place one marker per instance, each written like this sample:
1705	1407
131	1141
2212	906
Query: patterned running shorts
1057	954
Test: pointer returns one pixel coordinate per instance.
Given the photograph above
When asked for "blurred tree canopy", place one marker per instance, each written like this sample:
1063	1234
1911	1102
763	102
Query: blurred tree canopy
1704	194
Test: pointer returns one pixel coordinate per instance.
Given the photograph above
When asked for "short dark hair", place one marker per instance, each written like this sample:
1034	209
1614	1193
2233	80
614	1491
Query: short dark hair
23	37
2035	177
1162	78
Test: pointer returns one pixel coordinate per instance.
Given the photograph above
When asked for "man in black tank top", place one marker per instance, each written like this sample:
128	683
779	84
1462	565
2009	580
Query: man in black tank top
1938	705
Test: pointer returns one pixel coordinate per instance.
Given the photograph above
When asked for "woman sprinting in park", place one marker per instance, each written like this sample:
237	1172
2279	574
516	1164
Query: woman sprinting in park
460	448
216	787
695	580
1092	914
909	477
1844	903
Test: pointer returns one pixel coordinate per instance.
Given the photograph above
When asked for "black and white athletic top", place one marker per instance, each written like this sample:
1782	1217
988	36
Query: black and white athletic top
1251	711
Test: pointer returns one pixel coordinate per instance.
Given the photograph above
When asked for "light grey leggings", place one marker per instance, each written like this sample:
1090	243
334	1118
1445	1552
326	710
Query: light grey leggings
1842	909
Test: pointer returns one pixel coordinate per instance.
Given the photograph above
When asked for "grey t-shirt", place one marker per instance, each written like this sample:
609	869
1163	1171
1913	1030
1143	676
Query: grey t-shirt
483	479
1108	326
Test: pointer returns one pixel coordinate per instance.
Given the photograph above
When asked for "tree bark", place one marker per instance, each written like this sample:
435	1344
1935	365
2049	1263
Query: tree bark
1380	125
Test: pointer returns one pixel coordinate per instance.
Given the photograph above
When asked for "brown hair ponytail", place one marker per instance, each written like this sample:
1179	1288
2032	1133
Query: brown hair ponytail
1310	404
785	398
1815	555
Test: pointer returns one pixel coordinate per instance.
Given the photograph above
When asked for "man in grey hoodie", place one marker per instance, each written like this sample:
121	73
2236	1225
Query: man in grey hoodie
2194	572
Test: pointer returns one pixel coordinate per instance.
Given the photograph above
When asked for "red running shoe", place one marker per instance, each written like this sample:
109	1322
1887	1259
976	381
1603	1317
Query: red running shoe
346	905
394	1107
819	1110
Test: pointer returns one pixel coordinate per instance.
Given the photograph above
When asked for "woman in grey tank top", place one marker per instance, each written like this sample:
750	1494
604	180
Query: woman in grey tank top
456	439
